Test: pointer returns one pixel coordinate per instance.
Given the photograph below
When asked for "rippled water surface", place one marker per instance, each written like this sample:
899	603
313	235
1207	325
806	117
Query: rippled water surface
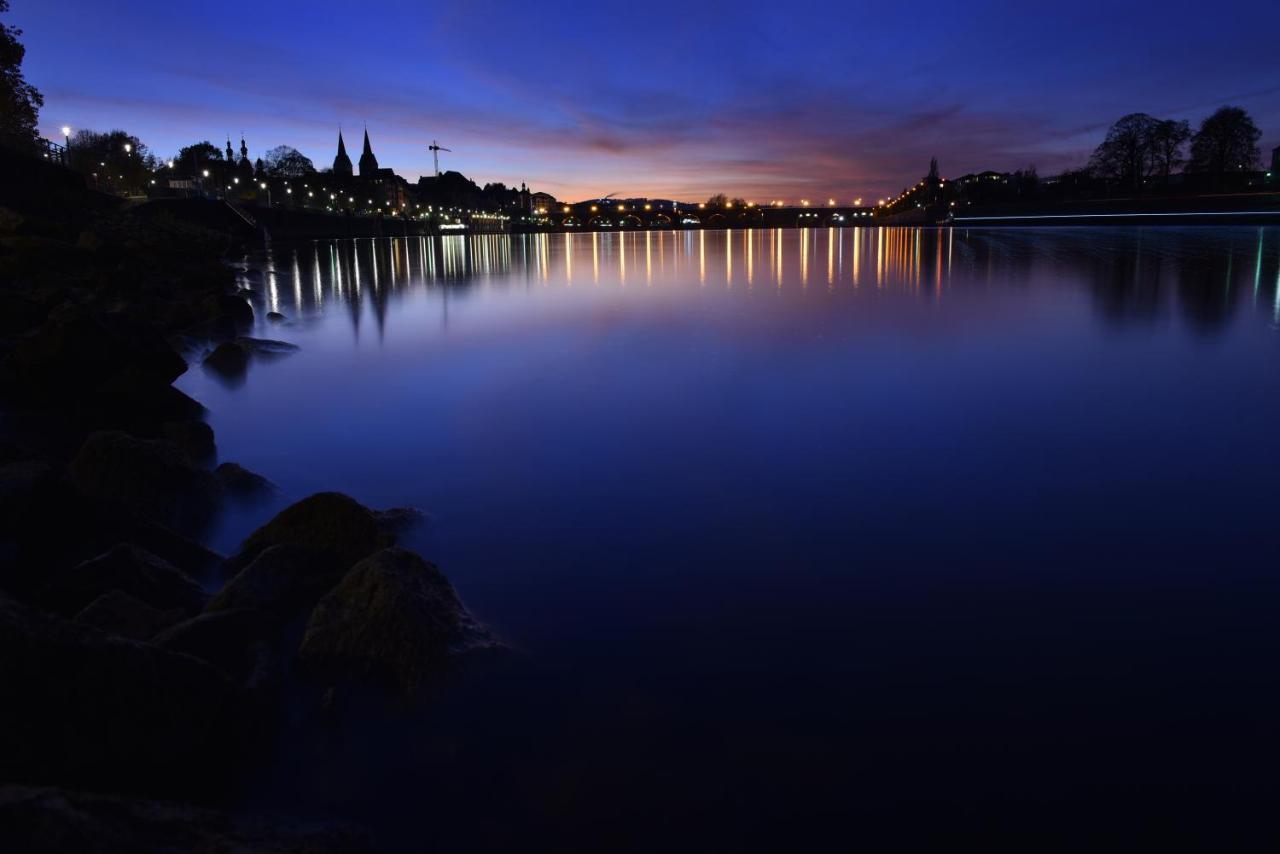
866	535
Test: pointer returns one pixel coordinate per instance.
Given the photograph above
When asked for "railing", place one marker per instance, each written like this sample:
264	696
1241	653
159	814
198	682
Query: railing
51	151
242	213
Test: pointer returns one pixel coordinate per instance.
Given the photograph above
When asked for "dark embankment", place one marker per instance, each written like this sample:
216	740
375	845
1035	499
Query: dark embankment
145	677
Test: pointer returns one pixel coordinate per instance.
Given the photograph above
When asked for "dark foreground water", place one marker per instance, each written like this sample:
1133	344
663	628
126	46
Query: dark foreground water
810	540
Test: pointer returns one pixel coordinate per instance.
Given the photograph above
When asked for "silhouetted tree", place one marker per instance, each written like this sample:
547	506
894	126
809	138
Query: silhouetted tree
933	169
284	161
114	160
1125	155
1167	139
1226	142
1026	182
197	156
259	169
717	201
20	102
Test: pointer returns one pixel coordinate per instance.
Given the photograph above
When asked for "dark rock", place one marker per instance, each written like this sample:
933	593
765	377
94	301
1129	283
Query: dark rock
76	350
239	481
267	347
118	613
128	569
85	708
228	359
193	437
226	639
275	317
398	520
136	400
234	307
251	295
336	527
48	525
152	478
54	821
394	619
284	579
19	314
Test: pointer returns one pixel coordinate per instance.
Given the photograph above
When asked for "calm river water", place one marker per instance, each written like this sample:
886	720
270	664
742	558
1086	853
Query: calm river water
858	537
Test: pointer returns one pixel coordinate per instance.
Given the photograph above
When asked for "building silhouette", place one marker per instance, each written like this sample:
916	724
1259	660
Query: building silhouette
368	163
342	163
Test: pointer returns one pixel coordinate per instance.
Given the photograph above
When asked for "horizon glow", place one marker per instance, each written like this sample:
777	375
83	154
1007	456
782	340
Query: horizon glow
749	99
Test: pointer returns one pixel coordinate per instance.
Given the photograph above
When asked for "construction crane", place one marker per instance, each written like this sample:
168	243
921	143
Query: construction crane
435	150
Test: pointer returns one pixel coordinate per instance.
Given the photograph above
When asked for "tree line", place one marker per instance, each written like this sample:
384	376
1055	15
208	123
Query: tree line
1139	148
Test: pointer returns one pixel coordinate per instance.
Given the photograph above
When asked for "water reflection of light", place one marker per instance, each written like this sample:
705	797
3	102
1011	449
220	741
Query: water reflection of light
273	292
857	255
702	257
748	240
728	258
804	257
568	259
648	259
622	257
831	258
777	257
595	257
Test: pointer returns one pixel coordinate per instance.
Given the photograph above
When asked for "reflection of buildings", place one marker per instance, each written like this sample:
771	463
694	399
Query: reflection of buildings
1130	278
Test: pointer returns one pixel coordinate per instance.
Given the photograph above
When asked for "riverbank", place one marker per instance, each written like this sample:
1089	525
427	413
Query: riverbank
142	666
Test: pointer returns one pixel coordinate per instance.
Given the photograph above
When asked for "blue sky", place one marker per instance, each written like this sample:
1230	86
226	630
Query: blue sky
761	100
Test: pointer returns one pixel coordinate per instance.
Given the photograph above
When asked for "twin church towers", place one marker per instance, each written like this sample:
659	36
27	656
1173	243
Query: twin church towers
368	163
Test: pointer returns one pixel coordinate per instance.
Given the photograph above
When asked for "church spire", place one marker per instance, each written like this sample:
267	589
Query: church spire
368	163
342	163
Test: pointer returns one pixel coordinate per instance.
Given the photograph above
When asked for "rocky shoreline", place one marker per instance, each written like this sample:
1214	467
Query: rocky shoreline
134	689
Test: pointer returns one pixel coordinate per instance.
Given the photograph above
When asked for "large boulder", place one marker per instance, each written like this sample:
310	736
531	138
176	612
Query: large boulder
39	820
338	529
76	349
284	579
128	569
81	707
233	640
194	437
47	525
239	481
228	359
118	613
393	619
153	478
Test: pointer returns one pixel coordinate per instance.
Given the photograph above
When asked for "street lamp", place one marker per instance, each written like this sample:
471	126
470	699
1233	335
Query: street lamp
265	186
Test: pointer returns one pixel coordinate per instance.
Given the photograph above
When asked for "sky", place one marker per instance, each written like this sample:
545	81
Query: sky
764	101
